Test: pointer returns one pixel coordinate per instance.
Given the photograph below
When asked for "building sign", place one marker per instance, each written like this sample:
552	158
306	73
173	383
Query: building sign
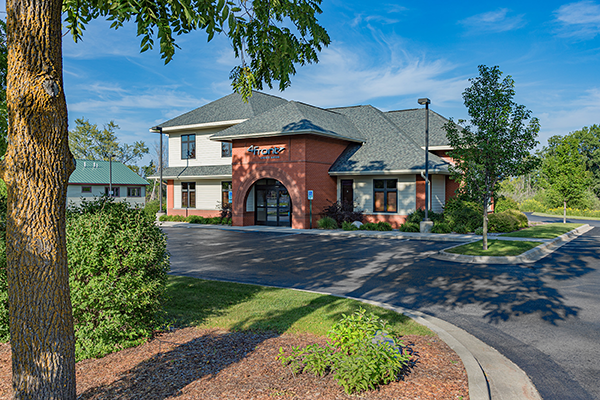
310	195
266	153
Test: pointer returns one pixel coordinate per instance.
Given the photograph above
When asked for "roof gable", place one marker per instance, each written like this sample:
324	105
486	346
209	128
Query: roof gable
413	123
228	108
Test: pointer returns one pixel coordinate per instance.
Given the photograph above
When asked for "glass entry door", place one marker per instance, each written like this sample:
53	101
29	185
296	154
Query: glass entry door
273	204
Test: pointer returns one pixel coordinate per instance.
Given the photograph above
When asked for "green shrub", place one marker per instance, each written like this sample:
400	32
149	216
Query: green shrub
384	226
327	223
502	222
151	208
342	211
409	227
531	205
195	219
441	227
214	220
505	203
360	353
368	226
462	229
466	213
522	218
348	226
118	265
479	231
172	218
419	215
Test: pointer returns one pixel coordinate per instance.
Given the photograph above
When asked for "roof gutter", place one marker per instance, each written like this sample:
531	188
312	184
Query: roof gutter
206	125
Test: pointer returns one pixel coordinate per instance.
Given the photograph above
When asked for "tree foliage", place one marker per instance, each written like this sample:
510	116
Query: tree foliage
564	174
87	142
496	141
257	31
588	145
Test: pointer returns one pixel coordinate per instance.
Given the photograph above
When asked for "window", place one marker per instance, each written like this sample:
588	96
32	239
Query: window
116	191
385	195
226	149
188	194
226	190
188	146
86	189
134	192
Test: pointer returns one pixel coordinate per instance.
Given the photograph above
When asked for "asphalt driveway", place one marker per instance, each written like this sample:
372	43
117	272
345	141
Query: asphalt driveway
545	317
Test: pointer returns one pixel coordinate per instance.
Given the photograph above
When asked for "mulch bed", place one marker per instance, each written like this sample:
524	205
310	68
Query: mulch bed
194	363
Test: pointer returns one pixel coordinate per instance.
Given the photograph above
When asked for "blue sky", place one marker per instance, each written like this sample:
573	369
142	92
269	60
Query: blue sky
384	54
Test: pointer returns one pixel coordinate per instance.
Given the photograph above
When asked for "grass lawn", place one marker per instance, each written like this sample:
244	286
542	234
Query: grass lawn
496	248
548	231
239	307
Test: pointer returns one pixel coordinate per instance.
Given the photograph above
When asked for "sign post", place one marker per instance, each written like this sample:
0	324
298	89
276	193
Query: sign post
310	199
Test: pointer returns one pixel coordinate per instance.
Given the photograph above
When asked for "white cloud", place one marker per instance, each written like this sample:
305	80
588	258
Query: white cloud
343	78
581	19
494	21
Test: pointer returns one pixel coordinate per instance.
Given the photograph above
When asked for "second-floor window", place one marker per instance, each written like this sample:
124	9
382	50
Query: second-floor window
188	146
226	149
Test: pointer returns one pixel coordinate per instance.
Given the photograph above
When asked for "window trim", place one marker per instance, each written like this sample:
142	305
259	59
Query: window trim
385	190
86	191
188	190
116	189
229	153
136	188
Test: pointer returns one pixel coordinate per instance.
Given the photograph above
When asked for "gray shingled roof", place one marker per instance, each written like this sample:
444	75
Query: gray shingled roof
206	170
387	148
294	118
413	123
228	108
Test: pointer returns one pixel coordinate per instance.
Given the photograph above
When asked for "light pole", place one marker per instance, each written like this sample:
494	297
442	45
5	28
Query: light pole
425	101
158	129
110	191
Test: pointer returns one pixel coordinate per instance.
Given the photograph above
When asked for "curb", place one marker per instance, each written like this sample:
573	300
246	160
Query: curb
529	256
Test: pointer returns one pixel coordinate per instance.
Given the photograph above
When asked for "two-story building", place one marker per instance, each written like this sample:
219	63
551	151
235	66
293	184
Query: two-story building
268	156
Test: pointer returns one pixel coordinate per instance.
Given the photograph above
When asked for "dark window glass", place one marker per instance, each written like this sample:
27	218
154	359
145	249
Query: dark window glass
226	189
225	149
385	195
86	189
116	191
188	194
188	146
134	192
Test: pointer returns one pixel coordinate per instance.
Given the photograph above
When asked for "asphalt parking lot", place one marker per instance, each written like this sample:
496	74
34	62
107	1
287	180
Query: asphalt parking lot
545	316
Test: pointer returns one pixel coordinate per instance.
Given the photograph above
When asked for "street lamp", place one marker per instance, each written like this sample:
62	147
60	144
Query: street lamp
425	101
158	129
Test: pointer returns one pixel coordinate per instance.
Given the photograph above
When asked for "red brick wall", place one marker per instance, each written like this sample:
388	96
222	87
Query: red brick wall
170	193
420	201
451	187
394	220
302	166
193	211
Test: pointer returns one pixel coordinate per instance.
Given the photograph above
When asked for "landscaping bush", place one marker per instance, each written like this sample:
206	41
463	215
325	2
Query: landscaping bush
151	208
384	226
441	227
522	218
409	227
502	222
196	219
505	203
531	205
342	211
118	265
479	231
172	218
360	353
349	226
327	223
419	215
466	214
379	226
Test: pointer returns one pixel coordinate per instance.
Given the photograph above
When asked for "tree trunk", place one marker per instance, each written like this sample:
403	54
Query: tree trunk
485	226
36	170
564	212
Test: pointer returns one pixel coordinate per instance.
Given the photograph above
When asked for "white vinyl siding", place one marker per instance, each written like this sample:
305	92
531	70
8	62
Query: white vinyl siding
208	152
363	192
208	194
74	194
438	193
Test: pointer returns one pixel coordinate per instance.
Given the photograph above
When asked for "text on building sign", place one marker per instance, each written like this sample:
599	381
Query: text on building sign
265	151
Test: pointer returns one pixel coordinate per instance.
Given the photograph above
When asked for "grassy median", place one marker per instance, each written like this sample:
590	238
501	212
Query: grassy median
546	231
240	307
496	248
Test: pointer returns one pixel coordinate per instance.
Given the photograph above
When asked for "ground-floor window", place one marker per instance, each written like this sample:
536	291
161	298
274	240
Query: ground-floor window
188	194
134	192
227	194
86	189
115	191
385	195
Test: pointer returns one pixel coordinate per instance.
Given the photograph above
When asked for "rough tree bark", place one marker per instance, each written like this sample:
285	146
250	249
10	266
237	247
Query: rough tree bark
36	170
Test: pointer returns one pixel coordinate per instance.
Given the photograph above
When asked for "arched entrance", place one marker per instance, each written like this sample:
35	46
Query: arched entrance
273	203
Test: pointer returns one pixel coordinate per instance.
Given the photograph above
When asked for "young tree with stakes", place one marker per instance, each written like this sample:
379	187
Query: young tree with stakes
495	143
38	162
